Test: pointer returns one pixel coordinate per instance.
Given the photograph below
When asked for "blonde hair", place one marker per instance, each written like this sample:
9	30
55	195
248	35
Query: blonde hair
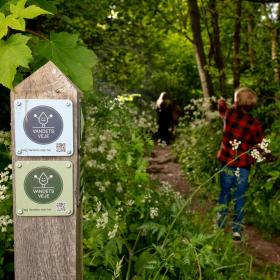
162	96
245	97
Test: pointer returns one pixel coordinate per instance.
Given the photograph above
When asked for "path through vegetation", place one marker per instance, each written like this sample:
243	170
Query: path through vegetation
163	166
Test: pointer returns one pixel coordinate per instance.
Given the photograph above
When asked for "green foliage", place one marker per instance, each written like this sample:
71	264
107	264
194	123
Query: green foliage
138	49
6	230
70	56
198	141
17	16
13	53
63	48
264	193
134	227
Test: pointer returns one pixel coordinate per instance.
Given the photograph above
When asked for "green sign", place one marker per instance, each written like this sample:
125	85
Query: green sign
44	188
43	185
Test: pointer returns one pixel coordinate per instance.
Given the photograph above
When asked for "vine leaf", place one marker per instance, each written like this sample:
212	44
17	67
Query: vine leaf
49	6
10	21
13	53
16	19
74	60
29	12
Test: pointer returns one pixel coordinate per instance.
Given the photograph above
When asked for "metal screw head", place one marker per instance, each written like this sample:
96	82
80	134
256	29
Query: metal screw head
68	211
59	90
68	164
69	152
68	103
18	103
19	152
19	164
20	211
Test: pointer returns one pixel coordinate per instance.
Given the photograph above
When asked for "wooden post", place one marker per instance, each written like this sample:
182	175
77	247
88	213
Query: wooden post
47	246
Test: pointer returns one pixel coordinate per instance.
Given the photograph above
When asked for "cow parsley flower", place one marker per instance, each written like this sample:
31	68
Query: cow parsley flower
4	222
237	172
130	202
257	155
153	212
112	234
235	144
264	145
102	221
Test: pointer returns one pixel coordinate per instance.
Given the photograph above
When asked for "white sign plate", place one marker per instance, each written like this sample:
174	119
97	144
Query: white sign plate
43	127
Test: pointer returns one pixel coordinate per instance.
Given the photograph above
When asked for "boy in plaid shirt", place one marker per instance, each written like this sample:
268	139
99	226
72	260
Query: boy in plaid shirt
241	133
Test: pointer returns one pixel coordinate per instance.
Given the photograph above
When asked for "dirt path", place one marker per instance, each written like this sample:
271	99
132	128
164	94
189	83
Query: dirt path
163	166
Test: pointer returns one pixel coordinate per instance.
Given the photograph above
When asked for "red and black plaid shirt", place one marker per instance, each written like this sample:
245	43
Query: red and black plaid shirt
239	125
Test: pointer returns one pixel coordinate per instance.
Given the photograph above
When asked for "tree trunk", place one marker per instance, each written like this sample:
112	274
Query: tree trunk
272	26
274	53
216	46
236	46
250	43
205	78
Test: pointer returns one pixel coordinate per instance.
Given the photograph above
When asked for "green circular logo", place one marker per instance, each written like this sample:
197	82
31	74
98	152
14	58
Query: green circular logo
43	185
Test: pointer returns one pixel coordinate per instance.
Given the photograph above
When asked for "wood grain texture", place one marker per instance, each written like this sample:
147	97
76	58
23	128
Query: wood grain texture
49	247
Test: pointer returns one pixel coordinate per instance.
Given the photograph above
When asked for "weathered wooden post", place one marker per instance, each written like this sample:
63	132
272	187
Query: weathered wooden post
45	110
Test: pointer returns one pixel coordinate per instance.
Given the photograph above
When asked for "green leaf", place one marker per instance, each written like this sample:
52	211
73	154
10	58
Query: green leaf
3	26
74	60
46	5
13	53
30	12
12	22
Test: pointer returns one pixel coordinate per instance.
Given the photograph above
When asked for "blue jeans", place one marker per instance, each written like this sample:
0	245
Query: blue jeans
229	182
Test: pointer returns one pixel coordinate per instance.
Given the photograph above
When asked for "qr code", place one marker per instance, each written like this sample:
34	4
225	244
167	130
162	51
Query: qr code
61	206
61	147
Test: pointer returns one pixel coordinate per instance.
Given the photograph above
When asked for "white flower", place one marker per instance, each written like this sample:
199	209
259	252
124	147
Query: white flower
98	206
3	190
119	188
92	163
102	221
111	154
257	155
113	15
4	222
101	149
237	172
235	144
130	202
147	197
112	234
153	212
264	145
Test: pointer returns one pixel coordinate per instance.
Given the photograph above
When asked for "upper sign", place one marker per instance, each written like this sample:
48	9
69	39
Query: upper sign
43	127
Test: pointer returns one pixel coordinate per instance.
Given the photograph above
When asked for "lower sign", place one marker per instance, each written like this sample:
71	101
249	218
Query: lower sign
44	188
43	185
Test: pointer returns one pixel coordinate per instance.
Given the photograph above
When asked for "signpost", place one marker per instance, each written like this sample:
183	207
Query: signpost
46	120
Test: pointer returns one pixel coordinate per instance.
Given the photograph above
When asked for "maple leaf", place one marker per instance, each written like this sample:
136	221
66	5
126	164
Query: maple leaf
29	12
73	59
13	53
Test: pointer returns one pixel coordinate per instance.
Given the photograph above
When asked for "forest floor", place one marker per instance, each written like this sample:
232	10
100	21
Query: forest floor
163	167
